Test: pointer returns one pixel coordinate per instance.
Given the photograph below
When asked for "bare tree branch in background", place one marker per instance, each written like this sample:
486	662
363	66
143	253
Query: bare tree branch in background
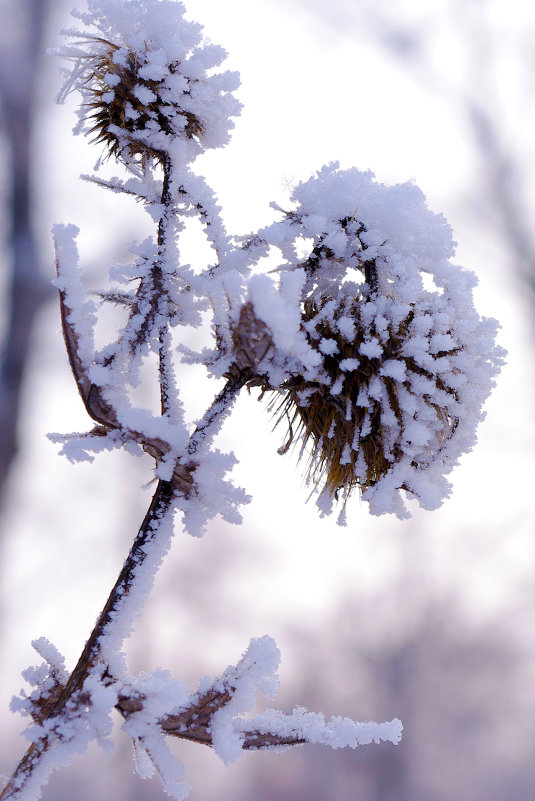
501	194
25	287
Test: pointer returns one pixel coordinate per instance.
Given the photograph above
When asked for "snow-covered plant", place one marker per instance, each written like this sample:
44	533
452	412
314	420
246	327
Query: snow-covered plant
363	337
403	361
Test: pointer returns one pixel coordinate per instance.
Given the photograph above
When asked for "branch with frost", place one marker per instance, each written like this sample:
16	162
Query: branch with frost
157	706
213	716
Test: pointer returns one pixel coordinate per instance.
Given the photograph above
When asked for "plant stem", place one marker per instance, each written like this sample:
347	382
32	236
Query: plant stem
164	335
210	423
160	505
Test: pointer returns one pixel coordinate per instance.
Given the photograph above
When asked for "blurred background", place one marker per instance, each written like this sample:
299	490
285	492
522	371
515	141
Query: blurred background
429	620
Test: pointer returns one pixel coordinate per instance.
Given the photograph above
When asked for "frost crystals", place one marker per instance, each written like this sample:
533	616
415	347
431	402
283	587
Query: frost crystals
157	706
366	341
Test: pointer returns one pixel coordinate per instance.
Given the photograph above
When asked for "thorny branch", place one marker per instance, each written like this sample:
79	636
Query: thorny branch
194	721
101	411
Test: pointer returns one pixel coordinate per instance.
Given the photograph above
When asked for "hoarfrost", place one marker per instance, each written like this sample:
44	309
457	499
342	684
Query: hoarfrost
365	330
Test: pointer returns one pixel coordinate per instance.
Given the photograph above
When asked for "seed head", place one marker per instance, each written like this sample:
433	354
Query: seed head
385	387
356	417
128	112
148	82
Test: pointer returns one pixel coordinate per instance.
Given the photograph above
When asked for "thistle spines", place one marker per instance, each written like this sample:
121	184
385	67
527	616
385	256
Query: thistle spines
125	110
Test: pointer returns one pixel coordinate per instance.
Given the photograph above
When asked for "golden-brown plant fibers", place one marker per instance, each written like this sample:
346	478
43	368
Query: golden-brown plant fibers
335	425
126	111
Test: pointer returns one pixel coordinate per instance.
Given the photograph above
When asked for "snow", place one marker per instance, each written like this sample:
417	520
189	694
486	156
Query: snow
162	40
255	673
81	312
436	357
365	329
338	732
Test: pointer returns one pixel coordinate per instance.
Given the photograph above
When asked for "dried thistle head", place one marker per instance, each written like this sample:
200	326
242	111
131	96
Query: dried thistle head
125	110
353	420
382	392
403	363
148	81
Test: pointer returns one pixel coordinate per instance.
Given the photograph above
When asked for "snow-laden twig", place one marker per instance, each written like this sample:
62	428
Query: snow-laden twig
156	706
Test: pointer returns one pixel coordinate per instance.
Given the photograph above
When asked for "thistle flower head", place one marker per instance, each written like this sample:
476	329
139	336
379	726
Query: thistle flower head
404	362
147	82
362	414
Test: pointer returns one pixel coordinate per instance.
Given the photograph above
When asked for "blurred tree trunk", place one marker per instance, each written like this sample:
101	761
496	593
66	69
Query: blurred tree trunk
26	289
